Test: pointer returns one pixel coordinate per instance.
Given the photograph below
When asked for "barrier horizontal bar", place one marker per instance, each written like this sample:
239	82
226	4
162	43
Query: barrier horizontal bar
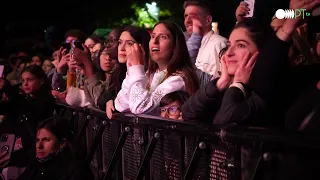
228	133
240	135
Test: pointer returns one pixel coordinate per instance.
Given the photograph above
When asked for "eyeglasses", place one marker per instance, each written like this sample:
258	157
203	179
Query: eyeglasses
172	111
112	55
72	41
105	52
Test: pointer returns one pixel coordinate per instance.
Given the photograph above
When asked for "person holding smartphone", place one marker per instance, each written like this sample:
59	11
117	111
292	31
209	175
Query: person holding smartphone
73	37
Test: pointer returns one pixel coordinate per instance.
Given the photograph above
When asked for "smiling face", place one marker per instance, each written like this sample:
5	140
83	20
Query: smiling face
239	44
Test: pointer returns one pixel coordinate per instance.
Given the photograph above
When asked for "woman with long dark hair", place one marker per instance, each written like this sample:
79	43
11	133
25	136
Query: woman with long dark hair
128	37
238	59
169	70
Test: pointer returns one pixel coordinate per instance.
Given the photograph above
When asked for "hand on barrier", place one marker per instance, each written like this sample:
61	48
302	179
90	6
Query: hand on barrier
110	108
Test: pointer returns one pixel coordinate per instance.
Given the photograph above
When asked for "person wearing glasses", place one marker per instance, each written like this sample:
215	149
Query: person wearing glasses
171	105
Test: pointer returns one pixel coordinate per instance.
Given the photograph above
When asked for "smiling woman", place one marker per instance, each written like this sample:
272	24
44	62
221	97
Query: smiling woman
238	59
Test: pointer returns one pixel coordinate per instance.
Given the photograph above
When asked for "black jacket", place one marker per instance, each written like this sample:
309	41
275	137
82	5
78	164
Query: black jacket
23	114
259	108
57	168
231	106
302	163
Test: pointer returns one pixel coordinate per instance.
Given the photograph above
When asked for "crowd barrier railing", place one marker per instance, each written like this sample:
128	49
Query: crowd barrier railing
132	147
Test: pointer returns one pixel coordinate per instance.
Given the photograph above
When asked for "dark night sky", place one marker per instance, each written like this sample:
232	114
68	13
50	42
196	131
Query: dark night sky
76	14
34	17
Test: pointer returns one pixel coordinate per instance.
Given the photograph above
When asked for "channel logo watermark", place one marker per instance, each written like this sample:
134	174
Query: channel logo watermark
291	13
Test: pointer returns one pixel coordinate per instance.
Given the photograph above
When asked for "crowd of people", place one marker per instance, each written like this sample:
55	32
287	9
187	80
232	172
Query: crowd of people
264	75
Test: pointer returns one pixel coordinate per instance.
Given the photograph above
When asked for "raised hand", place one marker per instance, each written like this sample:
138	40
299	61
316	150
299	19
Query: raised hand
61	53
244	70
197	26
242	11
82	56
63	62
74	65
225	79
135	55
290	25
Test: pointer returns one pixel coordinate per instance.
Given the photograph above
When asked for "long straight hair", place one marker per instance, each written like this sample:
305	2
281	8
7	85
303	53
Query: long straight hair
180	62
141	36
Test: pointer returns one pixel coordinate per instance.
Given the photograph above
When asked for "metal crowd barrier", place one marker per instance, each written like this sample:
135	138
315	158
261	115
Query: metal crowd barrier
145	147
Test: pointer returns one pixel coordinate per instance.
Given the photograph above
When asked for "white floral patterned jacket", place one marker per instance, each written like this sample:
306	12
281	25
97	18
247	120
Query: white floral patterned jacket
136	98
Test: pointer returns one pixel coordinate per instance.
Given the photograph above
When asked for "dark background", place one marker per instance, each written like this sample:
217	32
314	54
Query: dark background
30	19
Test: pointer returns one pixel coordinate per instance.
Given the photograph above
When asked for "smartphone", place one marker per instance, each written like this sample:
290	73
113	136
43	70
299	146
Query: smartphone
7	143
78	45
66	46
1	70
316	11
250	6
